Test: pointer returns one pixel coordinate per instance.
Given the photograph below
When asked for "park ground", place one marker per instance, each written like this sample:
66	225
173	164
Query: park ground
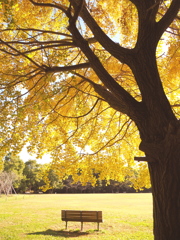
38	217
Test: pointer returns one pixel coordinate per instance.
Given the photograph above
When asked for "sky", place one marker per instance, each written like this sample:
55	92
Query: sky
25	156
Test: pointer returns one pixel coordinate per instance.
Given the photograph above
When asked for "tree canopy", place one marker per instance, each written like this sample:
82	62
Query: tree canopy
89	82
69	85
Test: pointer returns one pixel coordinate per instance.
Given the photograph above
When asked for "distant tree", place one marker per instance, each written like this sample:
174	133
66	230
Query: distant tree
13	164
33	180
6	182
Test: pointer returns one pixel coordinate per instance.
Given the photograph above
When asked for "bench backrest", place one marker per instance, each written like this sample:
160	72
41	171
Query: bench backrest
81	216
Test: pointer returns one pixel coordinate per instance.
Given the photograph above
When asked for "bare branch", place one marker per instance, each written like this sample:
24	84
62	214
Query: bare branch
109	142
37	49
37	30
58	6
76	117
64	41
18	80
175	105
66	68
20	53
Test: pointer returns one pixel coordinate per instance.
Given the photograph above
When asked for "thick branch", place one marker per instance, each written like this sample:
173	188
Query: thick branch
101	72
113	48
136	2
77	12
168	18
66	68
109	97
147	26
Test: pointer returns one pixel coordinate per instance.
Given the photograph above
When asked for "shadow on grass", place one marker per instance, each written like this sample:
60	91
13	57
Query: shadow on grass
61	233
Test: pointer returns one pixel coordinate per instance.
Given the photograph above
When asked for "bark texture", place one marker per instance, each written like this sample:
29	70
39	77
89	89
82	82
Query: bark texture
165	179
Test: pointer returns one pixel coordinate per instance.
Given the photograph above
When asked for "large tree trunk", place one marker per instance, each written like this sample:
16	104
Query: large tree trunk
160	134
165	178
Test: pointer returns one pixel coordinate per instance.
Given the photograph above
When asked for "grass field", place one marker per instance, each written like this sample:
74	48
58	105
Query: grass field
38	217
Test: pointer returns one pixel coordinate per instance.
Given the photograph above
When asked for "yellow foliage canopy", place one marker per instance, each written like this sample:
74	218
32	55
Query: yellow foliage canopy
49	90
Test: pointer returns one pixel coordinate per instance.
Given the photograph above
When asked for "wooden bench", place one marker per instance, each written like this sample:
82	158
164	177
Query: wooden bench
81	216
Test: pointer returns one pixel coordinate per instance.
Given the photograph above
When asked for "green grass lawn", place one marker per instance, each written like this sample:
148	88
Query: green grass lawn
126	216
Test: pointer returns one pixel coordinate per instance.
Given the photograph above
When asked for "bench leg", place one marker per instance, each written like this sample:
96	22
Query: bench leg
66	225
81	226
98	226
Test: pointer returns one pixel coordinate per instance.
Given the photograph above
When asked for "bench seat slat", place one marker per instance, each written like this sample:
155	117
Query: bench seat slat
79	220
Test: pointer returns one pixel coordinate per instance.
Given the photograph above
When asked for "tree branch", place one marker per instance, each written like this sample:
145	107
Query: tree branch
136	2
147	11
113	48
66	68
19	53
57	5
108	96
126	100
168	18
73	19
37	30
109	143
72	117
58	42
175	105
37	49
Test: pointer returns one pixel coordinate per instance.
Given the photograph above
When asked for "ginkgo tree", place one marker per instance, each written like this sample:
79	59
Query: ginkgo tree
92	82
